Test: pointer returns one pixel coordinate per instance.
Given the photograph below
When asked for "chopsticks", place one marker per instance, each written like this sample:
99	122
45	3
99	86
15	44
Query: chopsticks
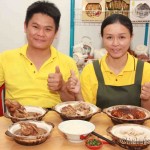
102	137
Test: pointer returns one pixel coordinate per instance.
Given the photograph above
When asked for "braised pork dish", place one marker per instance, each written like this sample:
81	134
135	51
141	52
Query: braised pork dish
80	109
76	110
128	113
17	110
29	129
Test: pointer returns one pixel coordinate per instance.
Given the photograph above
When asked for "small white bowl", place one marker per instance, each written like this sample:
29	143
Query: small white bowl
76	130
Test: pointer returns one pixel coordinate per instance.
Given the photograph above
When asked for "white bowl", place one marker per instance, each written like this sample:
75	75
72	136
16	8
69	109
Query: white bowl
76	130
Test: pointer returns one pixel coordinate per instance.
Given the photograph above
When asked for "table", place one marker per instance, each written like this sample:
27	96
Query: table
57	141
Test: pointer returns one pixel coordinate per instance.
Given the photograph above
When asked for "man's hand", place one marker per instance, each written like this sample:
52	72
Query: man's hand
73	83
55	80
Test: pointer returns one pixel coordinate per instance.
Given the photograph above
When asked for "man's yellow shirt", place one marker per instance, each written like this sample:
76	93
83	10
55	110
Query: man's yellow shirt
27	85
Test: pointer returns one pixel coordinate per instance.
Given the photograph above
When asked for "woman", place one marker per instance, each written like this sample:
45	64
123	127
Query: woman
118	78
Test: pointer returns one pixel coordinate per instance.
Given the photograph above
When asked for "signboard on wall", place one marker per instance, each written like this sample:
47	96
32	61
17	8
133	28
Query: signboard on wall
93	10
140	10
98	10
117	6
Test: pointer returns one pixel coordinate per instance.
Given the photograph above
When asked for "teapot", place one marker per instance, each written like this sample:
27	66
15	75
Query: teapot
87	45
79	58
141	49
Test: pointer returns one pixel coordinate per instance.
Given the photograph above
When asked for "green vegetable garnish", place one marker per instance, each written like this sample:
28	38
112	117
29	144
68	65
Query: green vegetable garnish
93	142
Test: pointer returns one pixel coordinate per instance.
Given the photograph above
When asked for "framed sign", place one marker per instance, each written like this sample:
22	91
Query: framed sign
93	10
117	6
140	10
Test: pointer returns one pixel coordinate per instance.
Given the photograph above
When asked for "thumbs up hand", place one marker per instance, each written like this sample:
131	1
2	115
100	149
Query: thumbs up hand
73	83
145	91
145	96
55	80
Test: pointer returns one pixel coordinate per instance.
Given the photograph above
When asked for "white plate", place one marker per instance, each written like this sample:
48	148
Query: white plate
131	132
130	136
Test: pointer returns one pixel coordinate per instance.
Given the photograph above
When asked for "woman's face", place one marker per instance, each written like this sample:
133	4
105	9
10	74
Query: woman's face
116	40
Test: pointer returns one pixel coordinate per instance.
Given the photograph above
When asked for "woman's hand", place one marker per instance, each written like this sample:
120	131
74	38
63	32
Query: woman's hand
145	91
145	96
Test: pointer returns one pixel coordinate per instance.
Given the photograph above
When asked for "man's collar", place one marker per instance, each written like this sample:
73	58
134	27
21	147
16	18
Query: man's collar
23	51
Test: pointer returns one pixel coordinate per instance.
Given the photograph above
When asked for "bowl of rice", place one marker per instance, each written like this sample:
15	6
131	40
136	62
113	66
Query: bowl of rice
76	131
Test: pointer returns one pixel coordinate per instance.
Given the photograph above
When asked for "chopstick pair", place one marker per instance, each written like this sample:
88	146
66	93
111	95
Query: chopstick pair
102	137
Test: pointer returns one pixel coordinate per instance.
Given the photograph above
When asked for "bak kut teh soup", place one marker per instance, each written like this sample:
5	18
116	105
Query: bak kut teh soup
40	132
29	129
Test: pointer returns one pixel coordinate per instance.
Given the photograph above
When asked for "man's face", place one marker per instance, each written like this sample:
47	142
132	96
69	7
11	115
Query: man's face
40	31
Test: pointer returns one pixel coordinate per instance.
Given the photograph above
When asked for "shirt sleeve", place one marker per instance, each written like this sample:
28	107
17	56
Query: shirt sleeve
1	71
89	84
146	73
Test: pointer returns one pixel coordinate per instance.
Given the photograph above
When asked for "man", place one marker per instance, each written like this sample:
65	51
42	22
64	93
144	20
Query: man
36	73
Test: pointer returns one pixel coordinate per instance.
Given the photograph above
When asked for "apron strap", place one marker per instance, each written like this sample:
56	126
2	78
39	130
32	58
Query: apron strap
98	72
139	72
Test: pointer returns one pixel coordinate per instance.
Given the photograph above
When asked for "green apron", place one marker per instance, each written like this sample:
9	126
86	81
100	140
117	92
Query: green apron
108	95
